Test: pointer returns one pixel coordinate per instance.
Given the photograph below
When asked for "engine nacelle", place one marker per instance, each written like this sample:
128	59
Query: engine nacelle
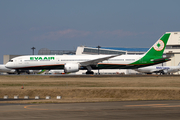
165	71
71	67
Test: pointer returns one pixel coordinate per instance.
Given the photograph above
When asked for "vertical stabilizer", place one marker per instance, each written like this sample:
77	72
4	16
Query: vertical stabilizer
158	48
155	53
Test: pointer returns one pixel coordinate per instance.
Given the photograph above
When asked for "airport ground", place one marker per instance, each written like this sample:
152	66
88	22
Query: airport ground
123	110
88	88
90	97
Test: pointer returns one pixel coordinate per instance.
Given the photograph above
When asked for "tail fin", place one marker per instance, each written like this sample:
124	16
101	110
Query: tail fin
158	48
179	64
42	71
155	54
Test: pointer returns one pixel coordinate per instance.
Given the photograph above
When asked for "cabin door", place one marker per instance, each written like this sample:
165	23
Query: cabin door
20	61
58	60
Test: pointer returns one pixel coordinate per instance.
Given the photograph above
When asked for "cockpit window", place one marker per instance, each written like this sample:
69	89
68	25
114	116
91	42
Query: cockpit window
10	60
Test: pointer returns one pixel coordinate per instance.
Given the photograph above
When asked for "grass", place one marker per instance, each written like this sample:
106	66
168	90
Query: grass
74	89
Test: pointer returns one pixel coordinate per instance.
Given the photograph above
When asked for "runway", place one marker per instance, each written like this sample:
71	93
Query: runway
125	110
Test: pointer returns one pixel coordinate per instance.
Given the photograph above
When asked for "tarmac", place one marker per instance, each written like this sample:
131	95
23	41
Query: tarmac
125	110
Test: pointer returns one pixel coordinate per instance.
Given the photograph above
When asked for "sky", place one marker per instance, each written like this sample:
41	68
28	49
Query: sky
66	24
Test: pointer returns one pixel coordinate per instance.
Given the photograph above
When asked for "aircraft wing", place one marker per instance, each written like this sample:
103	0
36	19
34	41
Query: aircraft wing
96	61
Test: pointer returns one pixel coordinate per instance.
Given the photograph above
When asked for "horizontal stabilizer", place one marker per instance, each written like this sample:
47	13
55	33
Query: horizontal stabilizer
165	58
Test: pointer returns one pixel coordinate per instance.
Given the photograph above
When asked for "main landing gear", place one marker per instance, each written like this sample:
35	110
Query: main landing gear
89	72
17	72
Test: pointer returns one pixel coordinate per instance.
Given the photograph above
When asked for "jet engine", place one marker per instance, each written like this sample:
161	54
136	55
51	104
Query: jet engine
71	67
165	71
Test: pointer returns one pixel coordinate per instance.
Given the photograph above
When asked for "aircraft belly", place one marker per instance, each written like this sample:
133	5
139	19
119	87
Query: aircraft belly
121	66
115	66
39	67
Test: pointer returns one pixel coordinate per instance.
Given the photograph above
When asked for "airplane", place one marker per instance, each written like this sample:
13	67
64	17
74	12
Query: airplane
159	69
4	69
74	63
56	71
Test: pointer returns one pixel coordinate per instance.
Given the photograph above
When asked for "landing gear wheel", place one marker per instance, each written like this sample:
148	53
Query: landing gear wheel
27	72
89	72
17	72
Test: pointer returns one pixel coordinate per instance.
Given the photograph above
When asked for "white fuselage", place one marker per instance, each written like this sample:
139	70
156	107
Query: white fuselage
158	69
53	60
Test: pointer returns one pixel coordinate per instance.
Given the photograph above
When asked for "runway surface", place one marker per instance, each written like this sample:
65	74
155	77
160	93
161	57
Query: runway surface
126	110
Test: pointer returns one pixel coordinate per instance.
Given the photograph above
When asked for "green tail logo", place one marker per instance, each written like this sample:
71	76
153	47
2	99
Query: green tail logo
159	45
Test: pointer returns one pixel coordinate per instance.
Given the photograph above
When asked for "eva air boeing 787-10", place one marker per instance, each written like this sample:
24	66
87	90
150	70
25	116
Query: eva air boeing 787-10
74	63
